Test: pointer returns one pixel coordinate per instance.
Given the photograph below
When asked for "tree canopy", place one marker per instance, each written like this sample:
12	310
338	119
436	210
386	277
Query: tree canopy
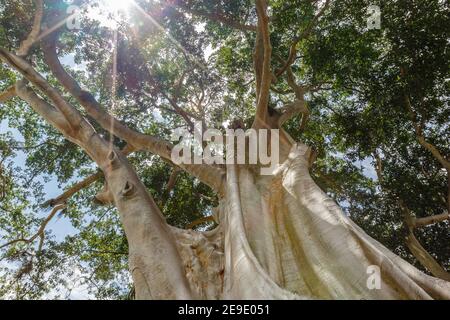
378	119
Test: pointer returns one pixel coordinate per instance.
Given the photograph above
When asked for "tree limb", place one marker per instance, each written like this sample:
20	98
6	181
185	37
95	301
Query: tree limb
72	190
265	76
47	111
420	137
73	118
214	16
200	221
40	232
141	215
418	251
298	106
208	174
8	94
80	185
28	43
304	35
292	109
426	221
410	222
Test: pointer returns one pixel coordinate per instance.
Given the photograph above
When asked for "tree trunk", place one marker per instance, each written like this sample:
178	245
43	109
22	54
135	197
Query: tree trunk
281	237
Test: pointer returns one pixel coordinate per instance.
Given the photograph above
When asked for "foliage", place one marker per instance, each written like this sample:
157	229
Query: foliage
358	113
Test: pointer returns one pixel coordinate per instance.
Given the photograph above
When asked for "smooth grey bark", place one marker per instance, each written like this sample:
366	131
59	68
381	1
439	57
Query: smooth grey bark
284	238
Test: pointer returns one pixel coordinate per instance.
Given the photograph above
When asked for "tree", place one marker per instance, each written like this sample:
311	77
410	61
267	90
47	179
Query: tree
317	77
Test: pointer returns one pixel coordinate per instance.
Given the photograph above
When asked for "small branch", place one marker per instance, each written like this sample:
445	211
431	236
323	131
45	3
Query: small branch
214	16
419	133
72	190
176	109
304	35
40	232
418	128
426	221
106	252
265	73
172	180
177	86
28	43
448	191
200	221
282	92
378	167
14	241
8	94
418	251
170	183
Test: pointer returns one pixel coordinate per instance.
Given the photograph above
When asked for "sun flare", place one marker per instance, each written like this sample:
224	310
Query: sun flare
109	12
117	5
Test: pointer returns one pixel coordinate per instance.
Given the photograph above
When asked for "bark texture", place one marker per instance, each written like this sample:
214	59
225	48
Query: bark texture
282	237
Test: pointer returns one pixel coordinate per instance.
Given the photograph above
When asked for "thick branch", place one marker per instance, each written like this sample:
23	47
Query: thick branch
418	251
291	110
80	185
425	258
298	106
47	111
207	174
139	213
426	221
258	59
299	90
73	118
410	222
